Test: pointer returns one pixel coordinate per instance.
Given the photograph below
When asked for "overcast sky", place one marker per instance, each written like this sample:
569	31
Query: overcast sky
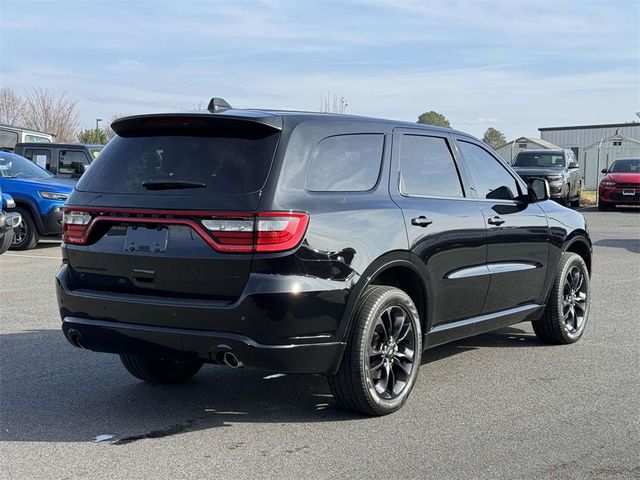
514	65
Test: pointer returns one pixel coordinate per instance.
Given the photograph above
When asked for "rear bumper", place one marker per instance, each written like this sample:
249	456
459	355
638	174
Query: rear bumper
113	337
268	328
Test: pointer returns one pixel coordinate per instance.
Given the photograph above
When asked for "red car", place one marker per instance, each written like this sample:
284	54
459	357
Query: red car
621	184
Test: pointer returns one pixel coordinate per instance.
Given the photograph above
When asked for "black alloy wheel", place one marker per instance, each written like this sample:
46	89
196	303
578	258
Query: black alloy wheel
391	352
567	310
382	358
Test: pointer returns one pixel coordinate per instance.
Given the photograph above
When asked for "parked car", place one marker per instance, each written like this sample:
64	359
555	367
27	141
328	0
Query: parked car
559	167
621	184
61	159
11	134
310	243
9	221
38	196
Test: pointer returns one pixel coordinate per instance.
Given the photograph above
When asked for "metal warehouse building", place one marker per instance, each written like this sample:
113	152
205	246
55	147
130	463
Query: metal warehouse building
596	146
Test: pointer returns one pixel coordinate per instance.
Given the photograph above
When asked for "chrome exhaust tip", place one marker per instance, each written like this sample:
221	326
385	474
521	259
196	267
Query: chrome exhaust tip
230	360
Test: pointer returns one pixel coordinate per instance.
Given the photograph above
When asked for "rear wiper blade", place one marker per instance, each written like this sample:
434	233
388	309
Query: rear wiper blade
171	184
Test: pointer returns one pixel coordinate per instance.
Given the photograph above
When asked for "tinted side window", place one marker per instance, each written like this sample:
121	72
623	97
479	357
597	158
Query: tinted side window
70	161
8	139
39	157
427	168
346	163
491	179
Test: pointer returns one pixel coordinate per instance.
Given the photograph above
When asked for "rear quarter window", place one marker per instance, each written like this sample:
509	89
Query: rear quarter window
346	163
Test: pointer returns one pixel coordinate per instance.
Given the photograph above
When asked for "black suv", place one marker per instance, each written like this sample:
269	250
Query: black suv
310	243
61	159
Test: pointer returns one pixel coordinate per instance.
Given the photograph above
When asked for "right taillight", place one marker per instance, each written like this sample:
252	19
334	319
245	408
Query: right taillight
262	232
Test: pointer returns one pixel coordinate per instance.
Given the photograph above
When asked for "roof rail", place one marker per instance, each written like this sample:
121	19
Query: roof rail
218	105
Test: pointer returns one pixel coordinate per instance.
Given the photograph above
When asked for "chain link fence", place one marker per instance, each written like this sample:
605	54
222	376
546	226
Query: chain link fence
602	154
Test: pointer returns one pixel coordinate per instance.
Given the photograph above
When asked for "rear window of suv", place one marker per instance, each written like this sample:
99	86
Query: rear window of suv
230	163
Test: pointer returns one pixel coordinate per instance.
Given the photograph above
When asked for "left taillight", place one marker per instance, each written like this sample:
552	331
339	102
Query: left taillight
75	225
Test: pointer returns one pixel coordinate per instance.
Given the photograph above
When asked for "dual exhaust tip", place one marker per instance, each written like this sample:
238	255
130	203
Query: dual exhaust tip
228	358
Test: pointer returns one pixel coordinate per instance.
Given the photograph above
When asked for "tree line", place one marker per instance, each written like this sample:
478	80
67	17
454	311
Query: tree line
43	111
492	136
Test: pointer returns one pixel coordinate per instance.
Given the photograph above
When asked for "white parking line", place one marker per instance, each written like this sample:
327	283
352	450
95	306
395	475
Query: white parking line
30	256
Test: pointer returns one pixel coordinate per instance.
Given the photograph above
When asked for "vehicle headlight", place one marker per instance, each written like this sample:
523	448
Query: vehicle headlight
10	203
608	184
54	195
554	178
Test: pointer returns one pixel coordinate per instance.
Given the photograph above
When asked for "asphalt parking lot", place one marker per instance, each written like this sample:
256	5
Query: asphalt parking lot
500	405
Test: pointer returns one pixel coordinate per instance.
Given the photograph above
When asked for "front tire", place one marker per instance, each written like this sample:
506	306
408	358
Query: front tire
160	369
381	362
25	235
576	202
567	310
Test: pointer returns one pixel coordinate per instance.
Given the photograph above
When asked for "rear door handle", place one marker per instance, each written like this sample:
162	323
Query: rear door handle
496	220
421	221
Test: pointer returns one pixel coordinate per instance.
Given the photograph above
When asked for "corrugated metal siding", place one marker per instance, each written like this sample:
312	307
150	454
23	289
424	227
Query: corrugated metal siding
584	138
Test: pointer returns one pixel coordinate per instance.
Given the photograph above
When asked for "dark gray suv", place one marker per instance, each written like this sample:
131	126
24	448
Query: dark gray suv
559	167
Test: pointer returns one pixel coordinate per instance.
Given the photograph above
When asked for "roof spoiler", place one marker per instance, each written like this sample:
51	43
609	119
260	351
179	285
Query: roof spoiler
239	119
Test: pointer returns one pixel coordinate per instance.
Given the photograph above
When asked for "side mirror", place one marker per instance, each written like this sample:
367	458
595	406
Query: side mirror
538	189
604	170
573	165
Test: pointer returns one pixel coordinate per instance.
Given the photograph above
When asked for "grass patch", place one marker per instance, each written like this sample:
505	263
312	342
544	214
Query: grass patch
588	197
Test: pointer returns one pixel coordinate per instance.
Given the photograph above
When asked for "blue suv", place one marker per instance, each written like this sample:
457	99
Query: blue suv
39	197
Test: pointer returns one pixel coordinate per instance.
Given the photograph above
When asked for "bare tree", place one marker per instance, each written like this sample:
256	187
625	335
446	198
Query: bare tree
46	113
11	107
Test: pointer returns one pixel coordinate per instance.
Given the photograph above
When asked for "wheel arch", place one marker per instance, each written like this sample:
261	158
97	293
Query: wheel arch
579	244
396	269
33	210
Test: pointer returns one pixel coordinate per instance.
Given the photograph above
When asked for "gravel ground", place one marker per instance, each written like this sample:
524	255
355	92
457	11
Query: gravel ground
495	406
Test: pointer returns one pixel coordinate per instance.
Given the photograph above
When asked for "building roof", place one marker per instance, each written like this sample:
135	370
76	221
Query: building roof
537	141
587	127
616	136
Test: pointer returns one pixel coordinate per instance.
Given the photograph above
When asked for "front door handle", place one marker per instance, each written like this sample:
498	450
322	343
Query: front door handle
496	220
421	221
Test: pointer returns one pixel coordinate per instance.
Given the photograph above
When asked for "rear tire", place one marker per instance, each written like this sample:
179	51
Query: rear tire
6	240
603	207
382	358
159	369
567	310
25	236
576	202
